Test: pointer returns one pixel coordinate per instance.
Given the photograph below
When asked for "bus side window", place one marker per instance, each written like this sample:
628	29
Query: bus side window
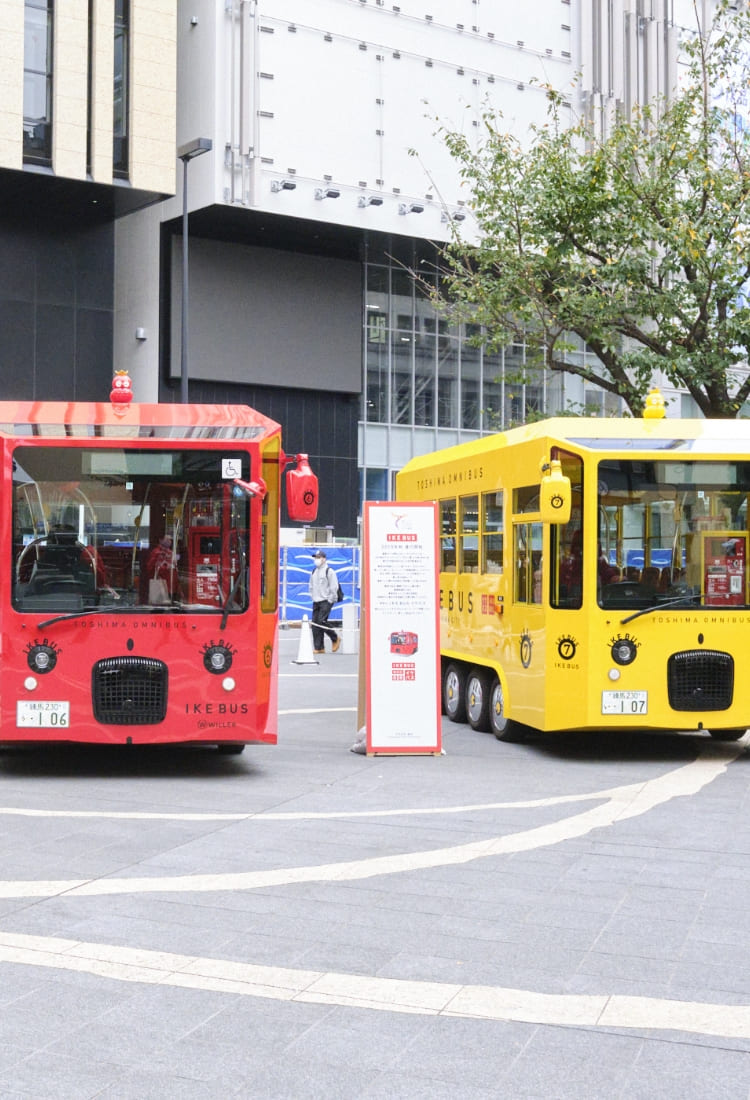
527	573
448	536
271	473
469	540
565	541
492	532
566	552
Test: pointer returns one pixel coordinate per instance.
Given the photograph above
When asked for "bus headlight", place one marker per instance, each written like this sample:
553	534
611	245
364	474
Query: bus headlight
41	658
217	658
624	651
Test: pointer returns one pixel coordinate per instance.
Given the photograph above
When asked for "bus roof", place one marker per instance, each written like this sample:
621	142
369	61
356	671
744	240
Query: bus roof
65	419
624	435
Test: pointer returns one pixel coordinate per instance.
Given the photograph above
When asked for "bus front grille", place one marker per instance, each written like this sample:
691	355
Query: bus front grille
129	691
700	679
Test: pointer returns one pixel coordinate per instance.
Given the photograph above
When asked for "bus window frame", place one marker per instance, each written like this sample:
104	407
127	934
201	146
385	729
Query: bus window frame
269	527
567	540
467	533
528	557
448	535
492	500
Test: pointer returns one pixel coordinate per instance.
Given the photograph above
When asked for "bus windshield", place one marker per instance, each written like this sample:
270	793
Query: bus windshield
670	531
147	529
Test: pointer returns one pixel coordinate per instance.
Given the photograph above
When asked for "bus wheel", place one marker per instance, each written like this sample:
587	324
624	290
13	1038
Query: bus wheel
727	735
478	699
231	750
454	699
503	728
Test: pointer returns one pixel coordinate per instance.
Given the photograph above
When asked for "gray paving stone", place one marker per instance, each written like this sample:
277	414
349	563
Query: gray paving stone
60	1077
654	907
670	1069
573	1063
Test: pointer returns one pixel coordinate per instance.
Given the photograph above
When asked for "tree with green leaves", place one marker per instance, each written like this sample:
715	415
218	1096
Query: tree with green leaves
637	242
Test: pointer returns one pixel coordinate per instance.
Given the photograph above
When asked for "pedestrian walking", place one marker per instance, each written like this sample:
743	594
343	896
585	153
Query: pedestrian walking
324	590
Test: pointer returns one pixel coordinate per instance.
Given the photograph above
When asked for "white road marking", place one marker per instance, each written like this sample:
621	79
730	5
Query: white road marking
320	710
622	803
128	964
318	815
316	675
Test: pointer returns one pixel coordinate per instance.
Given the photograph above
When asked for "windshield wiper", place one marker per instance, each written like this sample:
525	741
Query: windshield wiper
686	598
75	615
237	581
229	599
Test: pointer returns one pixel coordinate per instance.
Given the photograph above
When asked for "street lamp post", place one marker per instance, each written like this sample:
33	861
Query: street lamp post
185	153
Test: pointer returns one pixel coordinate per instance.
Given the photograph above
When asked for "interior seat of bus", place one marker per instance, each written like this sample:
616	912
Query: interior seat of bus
59	566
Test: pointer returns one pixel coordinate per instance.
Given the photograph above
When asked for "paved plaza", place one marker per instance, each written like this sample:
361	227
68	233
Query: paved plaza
567	918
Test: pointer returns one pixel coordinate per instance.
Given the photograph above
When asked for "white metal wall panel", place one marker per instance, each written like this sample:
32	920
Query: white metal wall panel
317	108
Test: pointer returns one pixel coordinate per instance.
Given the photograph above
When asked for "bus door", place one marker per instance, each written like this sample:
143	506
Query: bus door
528	567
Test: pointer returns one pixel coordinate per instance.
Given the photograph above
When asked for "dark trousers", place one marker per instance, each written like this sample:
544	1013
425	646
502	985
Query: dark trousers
320	626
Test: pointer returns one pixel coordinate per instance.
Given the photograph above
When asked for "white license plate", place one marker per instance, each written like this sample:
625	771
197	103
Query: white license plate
42	714
624	702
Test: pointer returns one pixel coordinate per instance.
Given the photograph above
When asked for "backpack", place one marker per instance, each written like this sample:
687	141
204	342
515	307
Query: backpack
340	592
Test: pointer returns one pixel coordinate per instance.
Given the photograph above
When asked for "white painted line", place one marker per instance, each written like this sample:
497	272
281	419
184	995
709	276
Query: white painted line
384	994
317	675
322	815
320	710
623	803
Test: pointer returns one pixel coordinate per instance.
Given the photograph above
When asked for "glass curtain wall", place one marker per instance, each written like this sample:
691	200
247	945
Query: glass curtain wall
424	374
429	383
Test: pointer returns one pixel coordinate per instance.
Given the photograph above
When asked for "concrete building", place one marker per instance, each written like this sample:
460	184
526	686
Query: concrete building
326	181
87	135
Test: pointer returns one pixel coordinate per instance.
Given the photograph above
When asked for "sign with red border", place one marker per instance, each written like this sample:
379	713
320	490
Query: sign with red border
402	627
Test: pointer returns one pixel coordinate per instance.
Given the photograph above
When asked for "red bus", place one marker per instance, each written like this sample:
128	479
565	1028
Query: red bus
143	546
404	641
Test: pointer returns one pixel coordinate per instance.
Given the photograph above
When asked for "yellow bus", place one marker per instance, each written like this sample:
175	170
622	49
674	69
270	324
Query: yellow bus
594	575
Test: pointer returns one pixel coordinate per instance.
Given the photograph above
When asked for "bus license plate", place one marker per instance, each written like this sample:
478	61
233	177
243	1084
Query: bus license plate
624	702
42	714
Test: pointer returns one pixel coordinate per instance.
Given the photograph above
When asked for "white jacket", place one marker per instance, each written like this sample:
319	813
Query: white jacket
324	584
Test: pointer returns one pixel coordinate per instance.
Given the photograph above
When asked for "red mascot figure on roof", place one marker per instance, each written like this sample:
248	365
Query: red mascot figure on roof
122	388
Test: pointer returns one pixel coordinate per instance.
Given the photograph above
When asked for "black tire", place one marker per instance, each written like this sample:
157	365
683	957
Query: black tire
503	728
231	750
454	693
727	735
478	699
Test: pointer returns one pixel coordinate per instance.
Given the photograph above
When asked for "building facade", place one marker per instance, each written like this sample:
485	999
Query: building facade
326	184
87	131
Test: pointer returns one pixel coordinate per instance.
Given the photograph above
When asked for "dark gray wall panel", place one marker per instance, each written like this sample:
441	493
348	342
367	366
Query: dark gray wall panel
56	310
16	347
258	316
322	425
55	351
93	355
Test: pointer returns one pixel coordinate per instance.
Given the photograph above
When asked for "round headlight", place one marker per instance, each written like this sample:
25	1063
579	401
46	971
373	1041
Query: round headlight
217	658
624	651
41	658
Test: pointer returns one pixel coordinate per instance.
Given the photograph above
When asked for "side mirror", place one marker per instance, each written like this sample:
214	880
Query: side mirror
301	492
554	494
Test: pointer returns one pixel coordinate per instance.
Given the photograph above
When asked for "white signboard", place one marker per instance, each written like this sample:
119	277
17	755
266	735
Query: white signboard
402	628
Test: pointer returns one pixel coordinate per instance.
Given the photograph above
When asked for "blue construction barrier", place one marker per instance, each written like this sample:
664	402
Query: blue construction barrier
295	566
